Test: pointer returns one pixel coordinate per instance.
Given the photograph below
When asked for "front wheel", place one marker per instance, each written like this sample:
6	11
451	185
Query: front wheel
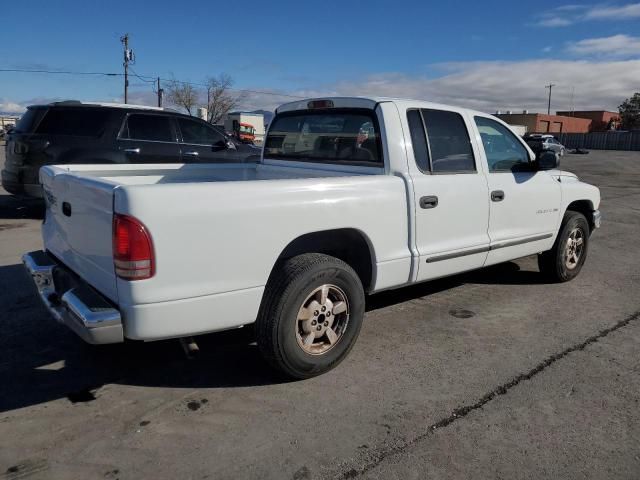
311	315
565	260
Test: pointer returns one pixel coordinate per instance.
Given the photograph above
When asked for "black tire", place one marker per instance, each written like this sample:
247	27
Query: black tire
289	287
553	264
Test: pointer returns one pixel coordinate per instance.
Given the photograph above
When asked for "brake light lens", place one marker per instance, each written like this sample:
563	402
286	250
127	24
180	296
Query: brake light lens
319	104
133	256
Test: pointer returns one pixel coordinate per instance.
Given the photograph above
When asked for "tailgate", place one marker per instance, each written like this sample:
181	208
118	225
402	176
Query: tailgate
78	226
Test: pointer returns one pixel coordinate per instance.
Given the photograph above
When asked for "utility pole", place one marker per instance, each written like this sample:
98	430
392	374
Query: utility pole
550	86
128	58
160	92
573	91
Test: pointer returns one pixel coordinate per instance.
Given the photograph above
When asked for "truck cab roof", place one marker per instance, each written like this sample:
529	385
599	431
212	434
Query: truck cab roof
366	102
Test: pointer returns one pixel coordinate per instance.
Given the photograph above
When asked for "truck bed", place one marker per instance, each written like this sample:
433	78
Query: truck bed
199	214
200	173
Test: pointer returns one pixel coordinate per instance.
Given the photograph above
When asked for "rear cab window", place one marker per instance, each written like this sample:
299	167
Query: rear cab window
337	136
79	122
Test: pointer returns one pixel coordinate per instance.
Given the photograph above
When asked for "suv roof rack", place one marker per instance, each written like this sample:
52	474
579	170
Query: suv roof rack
111	105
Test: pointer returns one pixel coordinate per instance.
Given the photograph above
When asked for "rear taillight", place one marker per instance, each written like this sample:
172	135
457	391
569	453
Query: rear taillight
132	249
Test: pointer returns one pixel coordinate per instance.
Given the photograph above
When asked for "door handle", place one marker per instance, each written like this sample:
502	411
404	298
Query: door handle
191	154
132	150
430	201
497	195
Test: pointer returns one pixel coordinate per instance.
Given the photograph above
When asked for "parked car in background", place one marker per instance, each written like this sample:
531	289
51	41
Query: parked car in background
73	132
541	142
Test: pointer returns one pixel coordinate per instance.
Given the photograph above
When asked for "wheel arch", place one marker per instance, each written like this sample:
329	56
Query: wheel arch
585	207
350	245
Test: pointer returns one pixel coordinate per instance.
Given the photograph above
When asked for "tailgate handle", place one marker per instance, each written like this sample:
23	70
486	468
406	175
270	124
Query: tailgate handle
66	209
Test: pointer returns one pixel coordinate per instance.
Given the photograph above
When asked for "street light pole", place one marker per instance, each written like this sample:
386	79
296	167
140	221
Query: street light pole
550	86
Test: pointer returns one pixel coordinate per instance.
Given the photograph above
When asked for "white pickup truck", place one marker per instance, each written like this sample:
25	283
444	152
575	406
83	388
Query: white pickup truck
351	196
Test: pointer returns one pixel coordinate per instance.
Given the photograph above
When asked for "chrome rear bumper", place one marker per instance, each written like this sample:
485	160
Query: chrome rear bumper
73	302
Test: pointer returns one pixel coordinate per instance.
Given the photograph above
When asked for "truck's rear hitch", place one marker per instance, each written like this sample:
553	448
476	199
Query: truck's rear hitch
190	347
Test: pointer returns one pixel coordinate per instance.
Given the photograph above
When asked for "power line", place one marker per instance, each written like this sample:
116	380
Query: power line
142	77
65	72
146	78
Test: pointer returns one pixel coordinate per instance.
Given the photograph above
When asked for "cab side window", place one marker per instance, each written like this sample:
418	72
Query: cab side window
441	142
505	153
198	133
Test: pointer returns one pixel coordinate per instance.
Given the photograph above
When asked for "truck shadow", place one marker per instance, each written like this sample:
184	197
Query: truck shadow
41	360
17	208
508	273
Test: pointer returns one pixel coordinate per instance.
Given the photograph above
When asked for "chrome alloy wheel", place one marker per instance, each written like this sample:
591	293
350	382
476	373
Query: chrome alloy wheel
322	319
574	248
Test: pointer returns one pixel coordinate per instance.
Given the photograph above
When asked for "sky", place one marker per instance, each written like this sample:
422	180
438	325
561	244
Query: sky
490	55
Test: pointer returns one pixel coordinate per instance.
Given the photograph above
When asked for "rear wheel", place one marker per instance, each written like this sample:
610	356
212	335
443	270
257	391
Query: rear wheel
311	315
564	261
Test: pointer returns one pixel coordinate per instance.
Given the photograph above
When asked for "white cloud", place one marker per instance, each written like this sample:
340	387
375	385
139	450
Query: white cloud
553	22
490	86
485	86
11	108
614	46
569	14
631	10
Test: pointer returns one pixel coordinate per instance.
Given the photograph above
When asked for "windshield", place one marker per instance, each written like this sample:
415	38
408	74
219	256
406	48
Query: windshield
337	136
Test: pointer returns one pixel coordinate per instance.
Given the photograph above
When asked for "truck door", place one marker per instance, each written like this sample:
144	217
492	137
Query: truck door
450	192
524	211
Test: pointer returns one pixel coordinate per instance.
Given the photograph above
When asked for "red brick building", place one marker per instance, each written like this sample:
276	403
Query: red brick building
543	123
599	118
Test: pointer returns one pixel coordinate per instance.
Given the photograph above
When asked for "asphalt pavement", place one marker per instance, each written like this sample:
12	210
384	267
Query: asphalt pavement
535	381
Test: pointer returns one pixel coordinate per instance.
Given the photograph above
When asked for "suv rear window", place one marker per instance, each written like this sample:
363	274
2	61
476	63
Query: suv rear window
82	122
334	136
29	120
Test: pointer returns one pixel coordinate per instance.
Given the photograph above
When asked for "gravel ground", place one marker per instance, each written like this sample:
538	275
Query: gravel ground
541	382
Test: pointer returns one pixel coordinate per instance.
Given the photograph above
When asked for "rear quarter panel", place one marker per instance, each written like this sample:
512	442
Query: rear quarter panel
211	238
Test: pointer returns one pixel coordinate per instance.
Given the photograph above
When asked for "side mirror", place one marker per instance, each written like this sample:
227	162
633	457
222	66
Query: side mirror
231	145
548	160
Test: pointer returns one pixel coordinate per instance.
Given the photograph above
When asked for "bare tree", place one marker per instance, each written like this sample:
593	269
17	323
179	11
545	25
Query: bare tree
220	100
183	95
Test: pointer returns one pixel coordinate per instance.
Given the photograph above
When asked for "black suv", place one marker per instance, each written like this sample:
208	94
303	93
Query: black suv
74	132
